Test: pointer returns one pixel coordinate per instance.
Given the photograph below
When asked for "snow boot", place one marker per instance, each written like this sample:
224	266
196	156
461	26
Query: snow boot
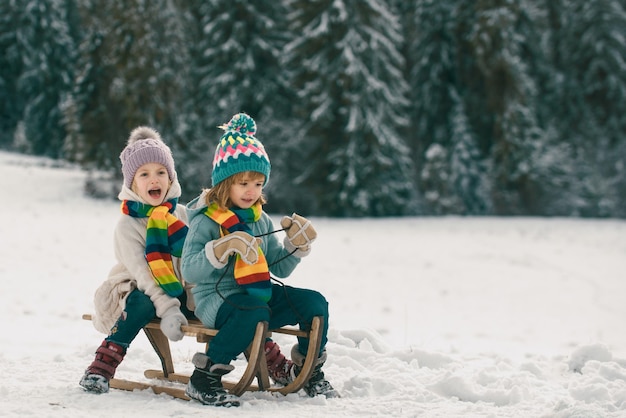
108	356
279	367
317	384
205	383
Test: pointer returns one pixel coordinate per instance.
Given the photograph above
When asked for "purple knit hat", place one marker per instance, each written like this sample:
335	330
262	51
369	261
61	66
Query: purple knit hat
145	146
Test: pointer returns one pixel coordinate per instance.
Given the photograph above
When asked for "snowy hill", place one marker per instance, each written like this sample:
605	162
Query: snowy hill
430	317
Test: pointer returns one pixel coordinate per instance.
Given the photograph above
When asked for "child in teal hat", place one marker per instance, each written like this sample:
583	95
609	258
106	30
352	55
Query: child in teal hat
230	254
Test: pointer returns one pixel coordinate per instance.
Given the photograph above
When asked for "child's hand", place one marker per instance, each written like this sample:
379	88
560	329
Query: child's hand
300	234
242	243
170	324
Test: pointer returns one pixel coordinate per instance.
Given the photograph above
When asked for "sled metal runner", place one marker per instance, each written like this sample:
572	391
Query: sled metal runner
255	355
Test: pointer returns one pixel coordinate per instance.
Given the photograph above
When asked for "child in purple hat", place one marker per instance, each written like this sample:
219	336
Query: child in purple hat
148	240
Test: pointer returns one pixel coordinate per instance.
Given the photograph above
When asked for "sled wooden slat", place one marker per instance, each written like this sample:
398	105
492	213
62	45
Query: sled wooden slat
132	385
255	355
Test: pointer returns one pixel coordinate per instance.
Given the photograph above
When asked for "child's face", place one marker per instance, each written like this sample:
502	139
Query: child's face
151	183
245	192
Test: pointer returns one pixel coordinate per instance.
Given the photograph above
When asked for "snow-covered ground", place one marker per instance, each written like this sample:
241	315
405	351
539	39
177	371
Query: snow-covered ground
430	317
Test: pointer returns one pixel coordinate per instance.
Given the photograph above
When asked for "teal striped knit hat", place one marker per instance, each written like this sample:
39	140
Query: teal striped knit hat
239	150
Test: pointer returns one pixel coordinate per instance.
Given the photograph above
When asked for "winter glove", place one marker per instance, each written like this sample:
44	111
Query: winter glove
171	322
239	242
300	234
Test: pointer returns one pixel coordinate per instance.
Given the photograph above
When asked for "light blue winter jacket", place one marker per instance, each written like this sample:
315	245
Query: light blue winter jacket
207	279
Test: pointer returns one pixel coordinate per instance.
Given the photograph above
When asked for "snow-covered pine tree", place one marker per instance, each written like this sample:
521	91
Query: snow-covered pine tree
589	41
347	71
11	65
46	49
454	178
133	61
502	98
431	57
468	171
235	67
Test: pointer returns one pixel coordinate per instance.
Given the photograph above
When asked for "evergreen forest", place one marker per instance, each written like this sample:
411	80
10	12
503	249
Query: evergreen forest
367	108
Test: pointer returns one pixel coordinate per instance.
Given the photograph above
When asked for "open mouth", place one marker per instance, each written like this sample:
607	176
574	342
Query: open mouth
155	193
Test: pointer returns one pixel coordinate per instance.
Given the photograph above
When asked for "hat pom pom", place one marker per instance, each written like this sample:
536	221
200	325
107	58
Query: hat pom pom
241	123
143	132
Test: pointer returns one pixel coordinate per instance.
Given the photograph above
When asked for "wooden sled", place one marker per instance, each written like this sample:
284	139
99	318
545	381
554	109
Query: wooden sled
255	355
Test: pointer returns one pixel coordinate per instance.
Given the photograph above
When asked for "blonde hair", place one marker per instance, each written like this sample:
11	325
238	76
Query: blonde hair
220	193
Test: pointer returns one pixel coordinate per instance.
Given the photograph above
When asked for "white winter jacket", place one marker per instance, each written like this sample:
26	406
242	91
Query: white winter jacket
131	270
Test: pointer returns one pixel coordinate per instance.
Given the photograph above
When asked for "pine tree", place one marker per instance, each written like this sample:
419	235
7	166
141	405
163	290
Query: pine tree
442	137
132	72
502	99
432	50
347	70
436	183
468	173
11	65
589	41
46	47
453	178
235	51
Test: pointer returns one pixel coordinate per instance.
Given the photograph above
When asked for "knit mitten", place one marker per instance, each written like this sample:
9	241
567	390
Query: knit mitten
300	234
171	322
239	242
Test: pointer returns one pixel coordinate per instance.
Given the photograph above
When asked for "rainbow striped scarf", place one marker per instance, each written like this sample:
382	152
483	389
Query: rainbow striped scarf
255	278
165	236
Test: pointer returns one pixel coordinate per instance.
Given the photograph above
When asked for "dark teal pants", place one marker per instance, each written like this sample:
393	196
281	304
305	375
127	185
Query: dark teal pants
138	312
239	314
